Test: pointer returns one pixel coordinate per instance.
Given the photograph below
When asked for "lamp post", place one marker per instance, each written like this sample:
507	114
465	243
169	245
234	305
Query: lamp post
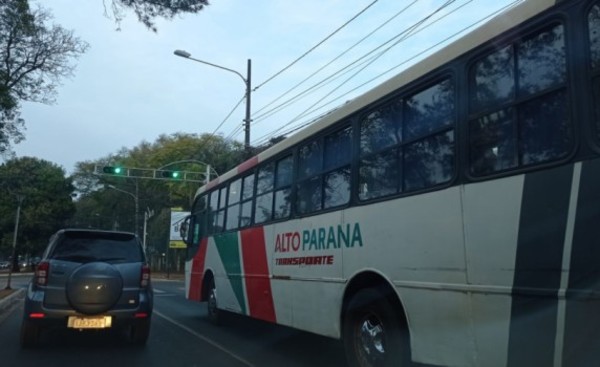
247	82
147	215
135	198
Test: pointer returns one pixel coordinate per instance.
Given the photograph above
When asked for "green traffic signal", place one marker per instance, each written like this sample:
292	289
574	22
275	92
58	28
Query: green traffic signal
112	170
171	174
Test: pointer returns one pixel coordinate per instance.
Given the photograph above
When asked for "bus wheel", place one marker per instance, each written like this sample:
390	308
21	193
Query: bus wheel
213	311
373	334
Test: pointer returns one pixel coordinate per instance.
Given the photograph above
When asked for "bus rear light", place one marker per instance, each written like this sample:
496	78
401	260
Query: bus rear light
140	315
36	315
41	273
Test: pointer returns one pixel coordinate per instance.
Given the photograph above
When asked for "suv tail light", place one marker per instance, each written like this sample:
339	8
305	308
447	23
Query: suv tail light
145	279
41	273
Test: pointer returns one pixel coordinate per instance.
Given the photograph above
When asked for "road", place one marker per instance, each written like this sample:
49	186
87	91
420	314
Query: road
180	336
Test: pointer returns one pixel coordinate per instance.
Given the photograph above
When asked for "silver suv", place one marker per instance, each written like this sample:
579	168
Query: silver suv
89	280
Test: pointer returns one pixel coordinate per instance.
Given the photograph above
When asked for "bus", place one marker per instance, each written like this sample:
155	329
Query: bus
449	216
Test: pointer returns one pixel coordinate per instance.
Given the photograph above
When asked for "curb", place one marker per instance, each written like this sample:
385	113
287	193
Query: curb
8	302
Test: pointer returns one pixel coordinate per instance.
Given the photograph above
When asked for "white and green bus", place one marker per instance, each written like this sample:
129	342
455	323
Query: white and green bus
449	216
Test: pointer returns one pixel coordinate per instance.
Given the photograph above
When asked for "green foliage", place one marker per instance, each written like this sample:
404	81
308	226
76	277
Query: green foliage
35	56
108	201
47	205
148	10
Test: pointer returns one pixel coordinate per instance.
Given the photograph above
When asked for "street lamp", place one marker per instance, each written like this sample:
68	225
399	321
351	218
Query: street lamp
135	198
247	82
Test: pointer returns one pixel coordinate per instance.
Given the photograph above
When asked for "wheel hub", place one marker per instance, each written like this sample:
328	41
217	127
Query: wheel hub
371	338
212	302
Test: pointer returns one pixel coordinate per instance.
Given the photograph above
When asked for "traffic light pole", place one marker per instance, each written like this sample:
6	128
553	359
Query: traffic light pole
155	174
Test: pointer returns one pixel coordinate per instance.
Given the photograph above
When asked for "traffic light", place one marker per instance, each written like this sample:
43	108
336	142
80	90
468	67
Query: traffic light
113	170
171	174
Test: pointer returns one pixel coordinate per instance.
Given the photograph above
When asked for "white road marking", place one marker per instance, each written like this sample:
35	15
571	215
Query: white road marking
203	338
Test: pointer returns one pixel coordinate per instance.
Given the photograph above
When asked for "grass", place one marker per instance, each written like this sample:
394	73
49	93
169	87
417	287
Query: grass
5	292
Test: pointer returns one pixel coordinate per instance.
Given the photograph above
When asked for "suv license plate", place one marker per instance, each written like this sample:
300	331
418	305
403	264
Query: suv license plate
89	322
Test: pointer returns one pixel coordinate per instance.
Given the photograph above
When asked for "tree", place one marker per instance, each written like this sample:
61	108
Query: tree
47	204
34	57
99	206
148	10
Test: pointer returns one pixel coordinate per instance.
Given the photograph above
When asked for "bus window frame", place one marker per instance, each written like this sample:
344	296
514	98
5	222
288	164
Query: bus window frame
592	83
445	73
514	38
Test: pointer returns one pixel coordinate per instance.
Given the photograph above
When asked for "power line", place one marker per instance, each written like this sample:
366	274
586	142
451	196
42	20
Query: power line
297	127
306	92
314	47
228	115
404	35
334	60
414	29
235	132
424	51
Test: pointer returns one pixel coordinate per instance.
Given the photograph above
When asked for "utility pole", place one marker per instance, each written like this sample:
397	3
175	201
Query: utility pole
248	82
14	247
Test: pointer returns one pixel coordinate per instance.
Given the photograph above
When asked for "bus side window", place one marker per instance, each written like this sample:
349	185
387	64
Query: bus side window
336	162
518	104
233	208
220	217
428	122
309	187
212	212
594	42
379	171
283	191
263	208
247	196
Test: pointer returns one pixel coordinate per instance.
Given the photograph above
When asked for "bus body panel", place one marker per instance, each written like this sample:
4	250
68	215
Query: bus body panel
225	282
491	217
491	212
417	242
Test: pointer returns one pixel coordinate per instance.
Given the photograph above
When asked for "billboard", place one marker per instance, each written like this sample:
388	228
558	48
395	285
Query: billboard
177	217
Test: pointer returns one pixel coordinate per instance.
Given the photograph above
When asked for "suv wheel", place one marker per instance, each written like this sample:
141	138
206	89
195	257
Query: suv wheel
140	332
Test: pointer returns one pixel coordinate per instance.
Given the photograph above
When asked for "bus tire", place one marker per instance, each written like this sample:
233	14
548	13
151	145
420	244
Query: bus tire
214	315
373	333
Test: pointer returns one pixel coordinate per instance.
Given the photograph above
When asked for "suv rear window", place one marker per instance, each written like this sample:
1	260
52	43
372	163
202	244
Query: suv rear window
88	246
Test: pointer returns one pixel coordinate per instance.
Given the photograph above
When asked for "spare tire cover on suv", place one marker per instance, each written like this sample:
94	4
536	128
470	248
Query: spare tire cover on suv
94	287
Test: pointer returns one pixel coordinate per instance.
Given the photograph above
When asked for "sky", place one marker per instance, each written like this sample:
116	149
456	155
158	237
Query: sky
129	87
